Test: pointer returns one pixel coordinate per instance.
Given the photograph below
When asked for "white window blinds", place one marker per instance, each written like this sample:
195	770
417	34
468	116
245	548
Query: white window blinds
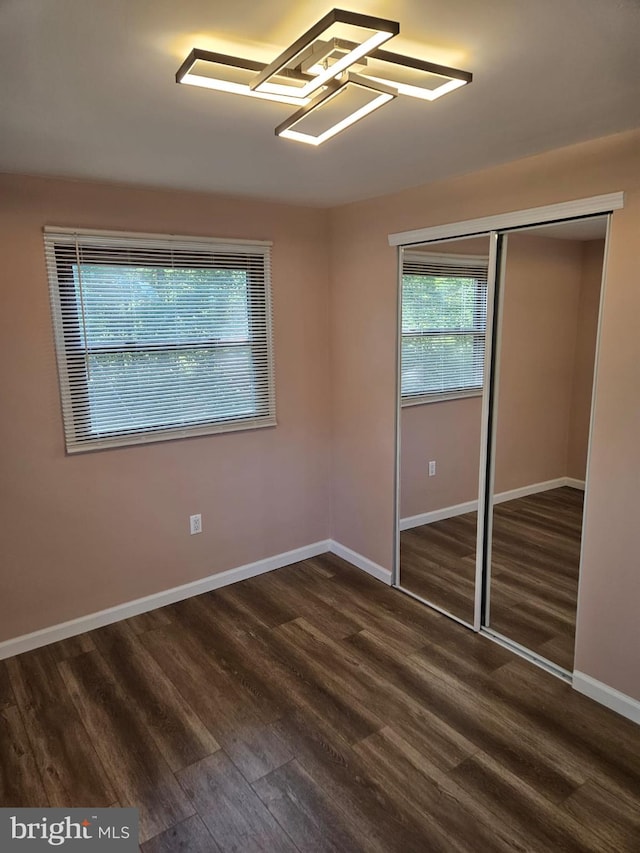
159	337
444	316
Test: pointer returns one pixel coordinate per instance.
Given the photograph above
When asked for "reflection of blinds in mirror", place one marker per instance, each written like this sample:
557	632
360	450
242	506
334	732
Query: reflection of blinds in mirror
444	315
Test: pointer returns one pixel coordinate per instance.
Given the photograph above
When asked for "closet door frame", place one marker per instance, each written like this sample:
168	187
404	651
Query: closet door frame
497	227
492	265
494	388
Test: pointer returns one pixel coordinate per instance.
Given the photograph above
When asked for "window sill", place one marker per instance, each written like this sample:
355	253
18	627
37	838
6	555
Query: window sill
424	399
155	436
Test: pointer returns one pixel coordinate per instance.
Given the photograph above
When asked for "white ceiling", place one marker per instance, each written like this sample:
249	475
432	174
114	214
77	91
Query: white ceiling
87	90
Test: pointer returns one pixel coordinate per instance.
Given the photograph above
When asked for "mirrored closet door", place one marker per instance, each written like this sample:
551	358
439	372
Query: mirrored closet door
444	293
497	350
548	299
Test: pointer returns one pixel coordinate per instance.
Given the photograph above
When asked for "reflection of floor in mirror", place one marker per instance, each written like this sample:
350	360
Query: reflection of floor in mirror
438	563
535	559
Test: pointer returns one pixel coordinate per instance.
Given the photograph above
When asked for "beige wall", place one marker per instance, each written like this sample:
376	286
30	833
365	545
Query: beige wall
586	338
449	433
86	532
541	297
363	312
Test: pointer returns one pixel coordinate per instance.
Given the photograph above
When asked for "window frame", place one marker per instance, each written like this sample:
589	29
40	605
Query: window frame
415	258
72	347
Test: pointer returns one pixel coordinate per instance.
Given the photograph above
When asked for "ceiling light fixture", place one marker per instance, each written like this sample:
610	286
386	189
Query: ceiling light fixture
381	30
185	74
339	62
382	94
447	78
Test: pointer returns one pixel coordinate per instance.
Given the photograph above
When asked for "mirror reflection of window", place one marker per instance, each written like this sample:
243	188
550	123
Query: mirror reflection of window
443	330
444	316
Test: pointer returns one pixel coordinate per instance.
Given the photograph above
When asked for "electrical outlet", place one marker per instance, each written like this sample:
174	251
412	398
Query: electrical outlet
195	524
432	468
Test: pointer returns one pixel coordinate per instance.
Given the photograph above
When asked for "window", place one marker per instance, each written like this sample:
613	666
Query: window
444	316
159	337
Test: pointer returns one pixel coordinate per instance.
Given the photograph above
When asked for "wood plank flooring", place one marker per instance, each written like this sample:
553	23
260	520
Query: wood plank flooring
438	563
314	709
534	572
534	569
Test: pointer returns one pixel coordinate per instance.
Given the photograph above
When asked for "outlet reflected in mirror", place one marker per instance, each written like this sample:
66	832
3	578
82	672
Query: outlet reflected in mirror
444	313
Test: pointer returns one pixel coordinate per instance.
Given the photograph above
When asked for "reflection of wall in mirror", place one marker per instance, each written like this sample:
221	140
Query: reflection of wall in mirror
548	348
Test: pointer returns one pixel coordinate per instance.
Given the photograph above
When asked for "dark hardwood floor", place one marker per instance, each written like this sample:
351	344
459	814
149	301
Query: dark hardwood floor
534	572
314	709
438	563
534	569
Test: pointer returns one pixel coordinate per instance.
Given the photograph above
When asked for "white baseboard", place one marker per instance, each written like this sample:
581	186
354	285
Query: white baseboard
532	489
45	636
501	497
574	484
73	627
609	696
437	515
360	562
596	690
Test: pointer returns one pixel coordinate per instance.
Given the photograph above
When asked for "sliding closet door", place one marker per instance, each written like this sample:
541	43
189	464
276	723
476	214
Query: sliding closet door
548	294
444	297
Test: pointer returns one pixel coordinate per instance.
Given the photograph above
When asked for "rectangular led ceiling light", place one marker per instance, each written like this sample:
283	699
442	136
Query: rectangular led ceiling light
338	23
233	74
335	109
336	74
413	77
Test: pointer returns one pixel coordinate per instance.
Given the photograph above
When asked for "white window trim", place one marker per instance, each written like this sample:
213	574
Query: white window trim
59	235
444	259
189	241
425	399
451	259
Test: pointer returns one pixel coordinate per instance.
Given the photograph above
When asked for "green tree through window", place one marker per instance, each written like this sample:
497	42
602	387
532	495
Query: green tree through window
444	307
157	341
